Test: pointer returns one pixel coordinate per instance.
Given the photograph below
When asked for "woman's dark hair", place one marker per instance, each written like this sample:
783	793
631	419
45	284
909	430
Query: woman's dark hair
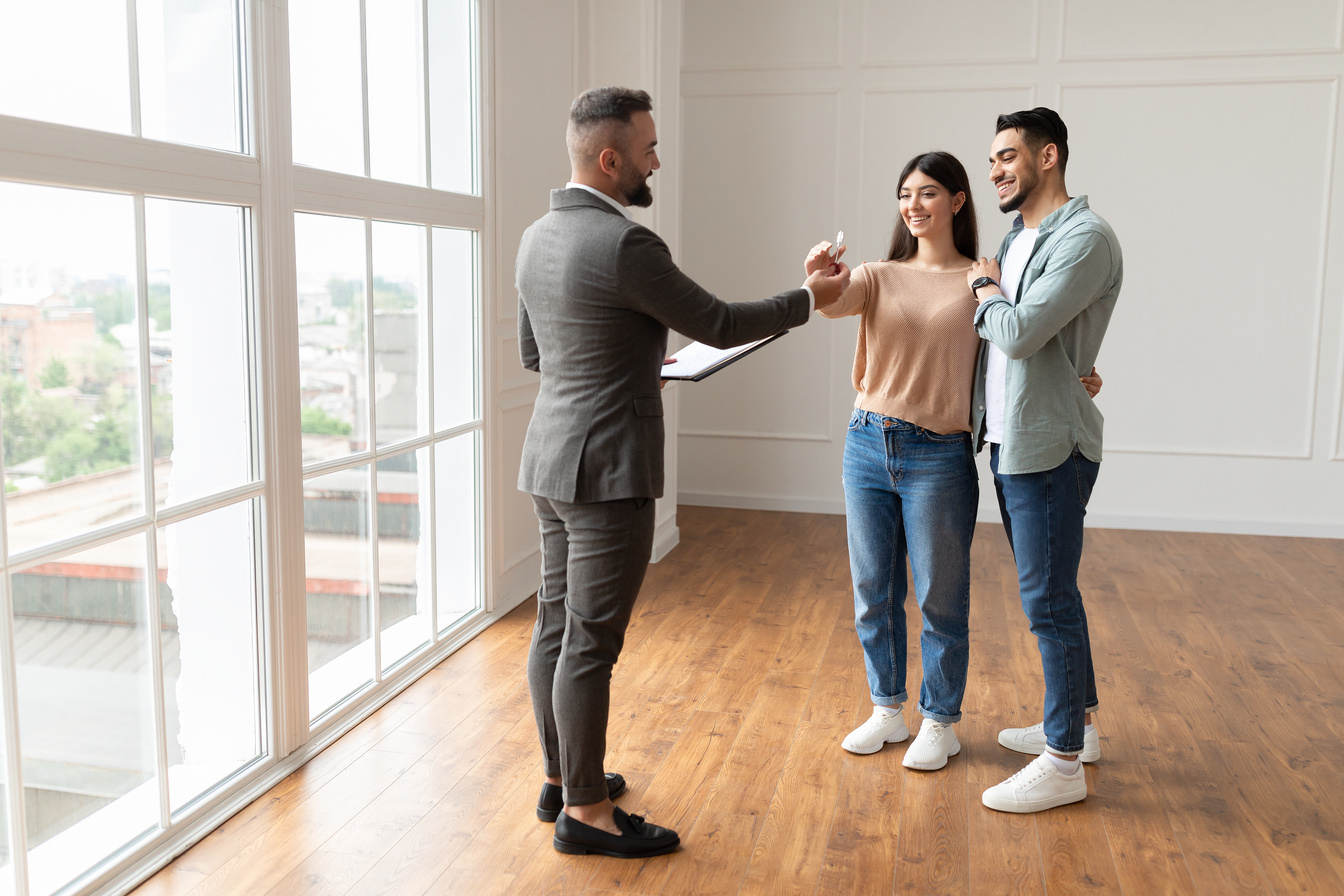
944	168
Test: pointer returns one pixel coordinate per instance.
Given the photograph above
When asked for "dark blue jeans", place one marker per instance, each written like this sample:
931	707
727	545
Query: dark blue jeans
911	491
1043	516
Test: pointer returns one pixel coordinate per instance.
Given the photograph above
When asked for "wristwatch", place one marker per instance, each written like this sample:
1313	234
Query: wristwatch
984	281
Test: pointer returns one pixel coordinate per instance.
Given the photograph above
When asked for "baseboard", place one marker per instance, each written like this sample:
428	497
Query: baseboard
1094	520
1272	528
761	502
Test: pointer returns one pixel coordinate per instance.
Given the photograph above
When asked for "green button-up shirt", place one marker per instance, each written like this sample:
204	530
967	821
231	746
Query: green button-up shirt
1051	335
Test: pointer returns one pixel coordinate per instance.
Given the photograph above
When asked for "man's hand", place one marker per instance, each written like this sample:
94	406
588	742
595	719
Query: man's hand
819	258
985	267
827	285
1091	382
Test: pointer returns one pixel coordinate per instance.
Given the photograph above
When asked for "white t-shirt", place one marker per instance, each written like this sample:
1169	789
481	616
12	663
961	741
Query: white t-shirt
996	371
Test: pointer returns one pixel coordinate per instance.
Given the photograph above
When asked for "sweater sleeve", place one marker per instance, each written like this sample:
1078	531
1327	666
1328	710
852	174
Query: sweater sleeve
854	299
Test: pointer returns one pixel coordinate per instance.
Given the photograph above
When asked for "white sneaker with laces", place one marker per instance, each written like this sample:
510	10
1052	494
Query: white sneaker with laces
935	742
1032	741
885	726
1041	785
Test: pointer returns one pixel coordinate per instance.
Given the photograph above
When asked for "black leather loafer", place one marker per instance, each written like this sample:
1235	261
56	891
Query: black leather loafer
552	798
640	839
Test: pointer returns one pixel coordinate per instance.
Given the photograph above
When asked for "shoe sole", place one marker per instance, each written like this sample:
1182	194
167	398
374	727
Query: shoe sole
550	815
924	767
900	740
1033	750
583	849
1021	808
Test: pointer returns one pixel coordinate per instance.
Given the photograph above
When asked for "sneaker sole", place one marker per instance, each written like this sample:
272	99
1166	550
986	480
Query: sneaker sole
859	752
925	767
1021	808
1033	750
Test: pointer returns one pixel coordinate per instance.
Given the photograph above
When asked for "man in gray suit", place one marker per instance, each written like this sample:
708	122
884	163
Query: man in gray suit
597	294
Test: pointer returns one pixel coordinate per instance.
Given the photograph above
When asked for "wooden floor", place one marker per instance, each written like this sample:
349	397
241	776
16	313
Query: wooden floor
1222	688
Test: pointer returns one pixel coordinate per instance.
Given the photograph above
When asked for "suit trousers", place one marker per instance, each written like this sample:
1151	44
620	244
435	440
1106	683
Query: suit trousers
594	557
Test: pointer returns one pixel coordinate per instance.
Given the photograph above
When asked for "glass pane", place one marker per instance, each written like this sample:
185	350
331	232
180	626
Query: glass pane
457	534
189	77
66	61
86	712
198	361
333	369
452	117
338	553
69	387
208	579
398	337
326	84
396	97
454	328
403	554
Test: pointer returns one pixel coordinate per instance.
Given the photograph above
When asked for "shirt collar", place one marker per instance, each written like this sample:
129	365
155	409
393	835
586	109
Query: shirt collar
599	194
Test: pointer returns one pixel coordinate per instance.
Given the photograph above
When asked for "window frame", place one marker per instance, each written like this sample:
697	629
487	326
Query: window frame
271	189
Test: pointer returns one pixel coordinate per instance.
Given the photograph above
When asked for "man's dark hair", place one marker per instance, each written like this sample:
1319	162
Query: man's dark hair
944	168
608	103
1039	127
600	118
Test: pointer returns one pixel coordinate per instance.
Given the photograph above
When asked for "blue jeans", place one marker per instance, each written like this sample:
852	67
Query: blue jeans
1043	516
911	491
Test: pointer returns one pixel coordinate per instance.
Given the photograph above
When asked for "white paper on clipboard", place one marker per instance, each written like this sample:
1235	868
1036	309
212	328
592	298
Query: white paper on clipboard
697	360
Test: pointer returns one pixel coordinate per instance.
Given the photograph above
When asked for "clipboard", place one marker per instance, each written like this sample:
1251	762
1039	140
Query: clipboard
697	360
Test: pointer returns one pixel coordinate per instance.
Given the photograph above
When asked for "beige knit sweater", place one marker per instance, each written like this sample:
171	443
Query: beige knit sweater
917	349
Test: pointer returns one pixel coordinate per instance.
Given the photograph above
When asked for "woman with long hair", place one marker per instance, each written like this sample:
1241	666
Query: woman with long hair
911	488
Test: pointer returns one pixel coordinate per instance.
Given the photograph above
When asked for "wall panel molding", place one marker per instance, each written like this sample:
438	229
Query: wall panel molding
967	37
706	22
1173	132
1314	341
1274	23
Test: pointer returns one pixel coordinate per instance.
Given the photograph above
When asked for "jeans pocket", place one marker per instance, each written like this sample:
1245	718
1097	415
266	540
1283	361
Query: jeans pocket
855	420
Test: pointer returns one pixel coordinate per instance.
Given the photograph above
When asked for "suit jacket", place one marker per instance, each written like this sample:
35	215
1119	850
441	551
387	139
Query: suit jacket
596	296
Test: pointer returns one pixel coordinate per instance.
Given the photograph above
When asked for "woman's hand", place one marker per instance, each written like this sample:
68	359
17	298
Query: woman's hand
819	259
1091	382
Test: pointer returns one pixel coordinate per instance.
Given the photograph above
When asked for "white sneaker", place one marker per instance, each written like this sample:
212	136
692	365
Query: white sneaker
936	741
1032	741
1041	785
884	727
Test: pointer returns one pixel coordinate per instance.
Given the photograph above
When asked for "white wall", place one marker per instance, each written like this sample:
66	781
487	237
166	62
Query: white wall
545	54
1206	132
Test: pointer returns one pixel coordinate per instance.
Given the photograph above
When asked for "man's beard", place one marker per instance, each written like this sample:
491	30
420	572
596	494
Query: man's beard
1014	202
636	189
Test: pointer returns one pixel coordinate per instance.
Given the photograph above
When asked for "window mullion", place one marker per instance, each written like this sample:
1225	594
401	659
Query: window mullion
428	143
371	397
146	434
133	68
277	309
9	702
431	519
364	81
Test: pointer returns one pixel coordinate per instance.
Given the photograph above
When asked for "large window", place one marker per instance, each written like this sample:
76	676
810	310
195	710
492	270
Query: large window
240	400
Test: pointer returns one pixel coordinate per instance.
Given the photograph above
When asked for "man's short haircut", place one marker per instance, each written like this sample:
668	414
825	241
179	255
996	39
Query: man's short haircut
596	116
1039	126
